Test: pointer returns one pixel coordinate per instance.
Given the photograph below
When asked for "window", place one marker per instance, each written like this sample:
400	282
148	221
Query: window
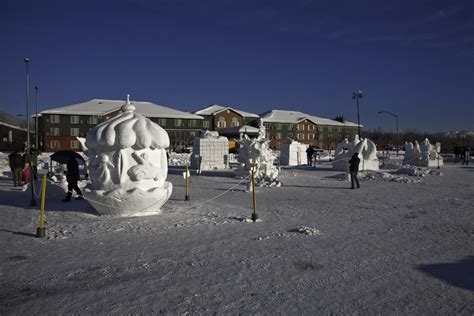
278	126
74	144
278	135
54	144
54	131
54	119
267	125
300	136
74	131
205	124
310	136
93	120
192	123
221	123
310	127
178	122
162	122
235	121
290	135
74	119
192	134
290	126
300	127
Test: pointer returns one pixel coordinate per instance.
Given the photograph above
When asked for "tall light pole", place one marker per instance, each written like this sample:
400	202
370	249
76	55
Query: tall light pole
356	96
27	61
396	125
36	118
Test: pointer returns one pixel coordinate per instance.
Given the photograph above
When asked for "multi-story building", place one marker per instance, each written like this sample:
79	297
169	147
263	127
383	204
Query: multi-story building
308	129
13	133
218	117
60	126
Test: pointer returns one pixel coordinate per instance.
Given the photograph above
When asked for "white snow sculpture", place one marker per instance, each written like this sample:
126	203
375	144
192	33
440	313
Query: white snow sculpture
423	155
256	152
366	149
128	165
210	151
293	153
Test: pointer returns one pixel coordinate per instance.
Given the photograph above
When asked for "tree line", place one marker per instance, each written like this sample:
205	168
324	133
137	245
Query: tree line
448	140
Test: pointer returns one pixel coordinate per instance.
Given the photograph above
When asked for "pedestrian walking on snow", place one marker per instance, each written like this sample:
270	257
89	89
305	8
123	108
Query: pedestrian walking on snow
72	176
353	169
16	165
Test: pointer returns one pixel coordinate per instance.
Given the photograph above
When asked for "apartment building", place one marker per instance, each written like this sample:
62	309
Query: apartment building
60	126
305	128
218	117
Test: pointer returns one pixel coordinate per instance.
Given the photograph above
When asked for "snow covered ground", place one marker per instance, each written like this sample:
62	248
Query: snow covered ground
403	246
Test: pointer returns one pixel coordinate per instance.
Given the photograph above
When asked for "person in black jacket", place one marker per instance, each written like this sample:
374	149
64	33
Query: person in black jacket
72	176
16	165
354	168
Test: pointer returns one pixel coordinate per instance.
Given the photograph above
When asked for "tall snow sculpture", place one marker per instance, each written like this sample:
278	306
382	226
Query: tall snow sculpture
423	155
293	153
366	149
128	165
256	152
210	151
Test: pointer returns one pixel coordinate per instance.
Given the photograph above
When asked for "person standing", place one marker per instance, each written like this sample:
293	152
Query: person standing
72	176
354	169
467	156
16	166
309	155
33	158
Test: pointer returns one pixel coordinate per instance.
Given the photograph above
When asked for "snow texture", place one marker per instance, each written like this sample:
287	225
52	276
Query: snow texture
318	248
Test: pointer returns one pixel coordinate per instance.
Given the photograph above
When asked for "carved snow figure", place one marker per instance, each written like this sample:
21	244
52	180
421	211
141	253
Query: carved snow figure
256	153
366	149
423	155
210	151
293	153
128	165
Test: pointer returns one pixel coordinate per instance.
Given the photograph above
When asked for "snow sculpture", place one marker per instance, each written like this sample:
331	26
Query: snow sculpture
293	153
210	151
423	155
127	165
366	149
256	152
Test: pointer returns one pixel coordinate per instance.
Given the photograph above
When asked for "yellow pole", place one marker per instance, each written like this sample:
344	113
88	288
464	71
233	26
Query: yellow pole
186	197
41	230
254	213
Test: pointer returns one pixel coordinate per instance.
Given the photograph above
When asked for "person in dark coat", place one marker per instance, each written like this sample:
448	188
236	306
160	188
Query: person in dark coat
72	176
309	154
16	165
353	169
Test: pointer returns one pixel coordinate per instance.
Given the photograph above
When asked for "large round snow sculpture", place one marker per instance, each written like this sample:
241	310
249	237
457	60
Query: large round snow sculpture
128	165
365	148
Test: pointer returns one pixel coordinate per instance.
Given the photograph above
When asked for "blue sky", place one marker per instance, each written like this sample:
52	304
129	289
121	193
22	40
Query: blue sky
413	58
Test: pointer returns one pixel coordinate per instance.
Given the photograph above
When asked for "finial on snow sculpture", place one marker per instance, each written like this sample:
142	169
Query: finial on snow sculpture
128	107
366	149
128	165
256	153
423	155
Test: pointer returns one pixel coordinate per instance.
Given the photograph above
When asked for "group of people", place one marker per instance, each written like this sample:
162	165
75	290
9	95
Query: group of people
463	154
20	166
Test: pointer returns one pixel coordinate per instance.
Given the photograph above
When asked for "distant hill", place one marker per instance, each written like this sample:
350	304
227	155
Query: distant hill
458	134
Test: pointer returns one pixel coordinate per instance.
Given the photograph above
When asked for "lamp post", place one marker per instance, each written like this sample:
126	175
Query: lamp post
356	96
27	61
396	126
36	118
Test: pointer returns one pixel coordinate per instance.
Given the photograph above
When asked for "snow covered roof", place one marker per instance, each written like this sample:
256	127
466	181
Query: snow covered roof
101	107
239	129
283	116
213	109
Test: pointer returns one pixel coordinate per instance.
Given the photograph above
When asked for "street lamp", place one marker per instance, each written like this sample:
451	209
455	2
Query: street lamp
27	61
36	118
396	125
356	96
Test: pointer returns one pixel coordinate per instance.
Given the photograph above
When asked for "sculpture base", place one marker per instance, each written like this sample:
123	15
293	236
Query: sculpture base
427	163
134	202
